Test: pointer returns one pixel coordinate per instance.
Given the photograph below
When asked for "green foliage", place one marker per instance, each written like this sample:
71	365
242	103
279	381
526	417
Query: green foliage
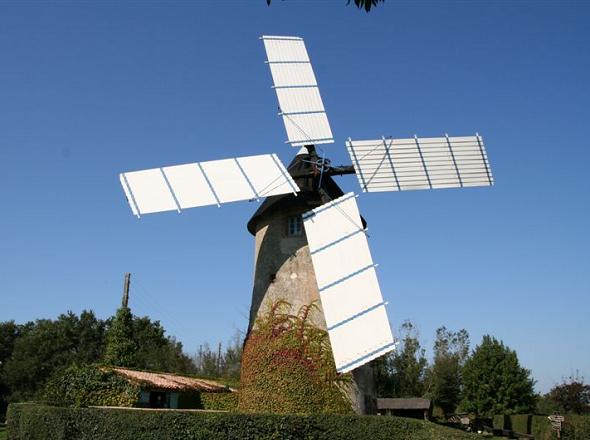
495	383
9	332
46	346
120	346
546	405
574	428
218	364
219	401
401	373
571	397
287	367
33	352
37	422
139	343
444	376
90	385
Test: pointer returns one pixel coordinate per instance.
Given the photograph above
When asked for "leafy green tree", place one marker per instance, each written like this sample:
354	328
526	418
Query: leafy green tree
46	346
572	396
207	362
232	358
156	351
495	383
138	342
451	350
121	347
409	364
401	373
226	364
9	332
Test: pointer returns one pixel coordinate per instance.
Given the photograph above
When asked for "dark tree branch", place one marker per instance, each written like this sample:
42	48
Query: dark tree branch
361	4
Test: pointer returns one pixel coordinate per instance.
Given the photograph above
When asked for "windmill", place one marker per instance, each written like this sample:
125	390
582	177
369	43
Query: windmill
311	241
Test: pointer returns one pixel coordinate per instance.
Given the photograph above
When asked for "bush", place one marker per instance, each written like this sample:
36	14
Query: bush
38	422
219	401
90	385
288	368
574	428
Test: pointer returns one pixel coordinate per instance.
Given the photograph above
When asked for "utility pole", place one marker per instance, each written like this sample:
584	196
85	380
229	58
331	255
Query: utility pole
125	302
219	360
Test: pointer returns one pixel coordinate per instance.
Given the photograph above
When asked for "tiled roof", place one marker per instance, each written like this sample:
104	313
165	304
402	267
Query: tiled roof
170	382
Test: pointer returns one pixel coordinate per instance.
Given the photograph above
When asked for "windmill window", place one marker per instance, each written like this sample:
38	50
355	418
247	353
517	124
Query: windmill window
295	226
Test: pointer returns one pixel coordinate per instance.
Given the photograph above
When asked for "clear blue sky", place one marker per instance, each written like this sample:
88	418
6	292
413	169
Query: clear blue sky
88	90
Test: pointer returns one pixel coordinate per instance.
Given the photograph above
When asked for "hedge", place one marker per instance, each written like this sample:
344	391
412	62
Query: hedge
219	401
88	385
574	428
39	422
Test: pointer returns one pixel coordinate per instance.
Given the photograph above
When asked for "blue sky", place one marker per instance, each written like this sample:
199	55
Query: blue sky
88	90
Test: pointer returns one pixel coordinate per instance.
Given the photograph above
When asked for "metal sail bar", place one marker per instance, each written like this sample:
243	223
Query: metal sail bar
214	182
300	102
420	163
349	290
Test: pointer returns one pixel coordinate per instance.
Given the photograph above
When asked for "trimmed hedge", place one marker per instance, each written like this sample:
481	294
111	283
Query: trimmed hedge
90	385
219	401
574	428
39	422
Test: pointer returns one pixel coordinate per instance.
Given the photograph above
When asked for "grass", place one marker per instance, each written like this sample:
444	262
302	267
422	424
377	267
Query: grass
3	433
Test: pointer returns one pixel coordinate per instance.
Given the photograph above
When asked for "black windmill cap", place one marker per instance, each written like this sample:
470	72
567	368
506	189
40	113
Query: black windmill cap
301	169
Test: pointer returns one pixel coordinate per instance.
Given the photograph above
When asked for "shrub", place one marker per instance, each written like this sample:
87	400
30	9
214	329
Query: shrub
38	422
90	385
287	367
219	401
574	428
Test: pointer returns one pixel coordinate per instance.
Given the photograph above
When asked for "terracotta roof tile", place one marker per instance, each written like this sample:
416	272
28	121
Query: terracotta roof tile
171	382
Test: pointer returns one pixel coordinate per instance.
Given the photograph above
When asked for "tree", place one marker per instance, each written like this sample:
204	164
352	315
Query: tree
120	349
444	377
31	353
45	346
214	363
401	372
232	358
361	4
572	396
494	382
137	342
9	332
156	351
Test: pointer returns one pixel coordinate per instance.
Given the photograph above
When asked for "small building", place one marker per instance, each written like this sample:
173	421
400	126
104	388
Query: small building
414	408
167	390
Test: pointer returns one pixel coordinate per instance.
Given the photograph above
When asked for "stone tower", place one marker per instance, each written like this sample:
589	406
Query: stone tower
283	266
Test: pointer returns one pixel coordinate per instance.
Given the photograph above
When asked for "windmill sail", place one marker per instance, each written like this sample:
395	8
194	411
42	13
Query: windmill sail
300	102
206	183
420	163
349	291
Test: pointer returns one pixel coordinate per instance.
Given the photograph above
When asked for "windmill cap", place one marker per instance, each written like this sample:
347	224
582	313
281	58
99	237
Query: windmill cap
308	197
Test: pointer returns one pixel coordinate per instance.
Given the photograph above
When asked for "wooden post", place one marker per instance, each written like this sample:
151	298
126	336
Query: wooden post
219	360
125	301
